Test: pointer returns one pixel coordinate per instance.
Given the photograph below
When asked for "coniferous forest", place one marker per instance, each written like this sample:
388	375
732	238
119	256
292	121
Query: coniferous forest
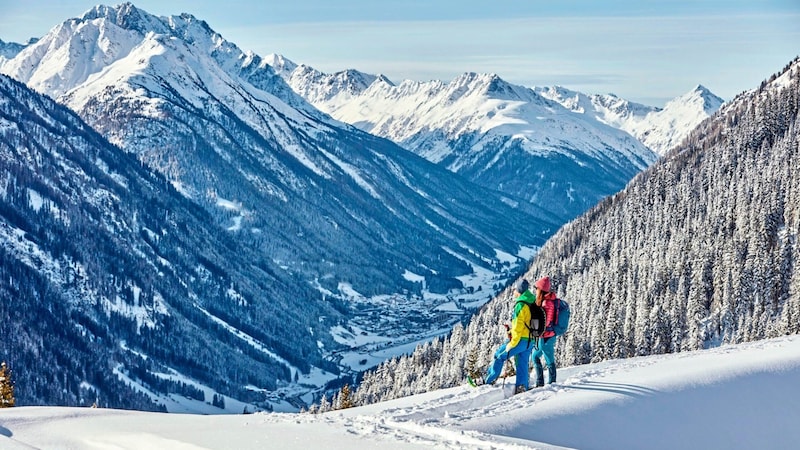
699	250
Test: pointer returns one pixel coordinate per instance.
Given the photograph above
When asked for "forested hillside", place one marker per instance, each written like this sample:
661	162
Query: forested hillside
700	249
113	284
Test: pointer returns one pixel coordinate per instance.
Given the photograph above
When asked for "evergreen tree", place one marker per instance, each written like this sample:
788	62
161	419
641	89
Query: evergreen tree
473	370
6	387
345	399
324	404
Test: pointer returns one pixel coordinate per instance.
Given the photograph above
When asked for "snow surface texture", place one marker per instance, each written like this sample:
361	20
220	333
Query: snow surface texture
732	397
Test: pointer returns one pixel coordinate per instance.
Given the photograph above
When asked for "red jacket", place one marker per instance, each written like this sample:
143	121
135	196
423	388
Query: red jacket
549	306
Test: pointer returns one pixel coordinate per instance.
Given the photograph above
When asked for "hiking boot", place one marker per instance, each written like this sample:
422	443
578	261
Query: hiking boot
520	389
478	381
551	371
539	375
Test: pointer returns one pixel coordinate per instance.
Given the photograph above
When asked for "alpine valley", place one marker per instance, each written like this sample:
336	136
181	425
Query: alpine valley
182	229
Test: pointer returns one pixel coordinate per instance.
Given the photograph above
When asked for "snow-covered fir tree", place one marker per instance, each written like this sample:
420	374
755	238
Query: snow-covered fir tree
6	387
324	405
344	399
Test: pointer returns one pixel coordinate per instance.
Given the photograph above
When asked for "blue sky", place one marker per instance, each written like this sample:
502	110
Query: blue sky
646	51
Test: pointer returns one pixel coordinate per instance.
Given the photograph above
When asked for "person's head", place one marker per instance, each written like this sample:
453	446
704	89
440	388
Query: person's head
522	286
543	284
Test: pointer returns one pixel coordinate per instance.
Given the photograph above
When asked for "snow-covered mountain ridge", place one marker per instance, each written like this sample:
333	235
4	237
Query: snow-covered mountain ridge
377	105
530	142
658	128
9	50
470	103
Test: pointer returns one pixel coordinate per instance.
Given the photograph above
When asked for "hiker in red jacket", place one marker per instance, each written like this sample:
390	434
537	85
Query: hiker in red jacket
547	342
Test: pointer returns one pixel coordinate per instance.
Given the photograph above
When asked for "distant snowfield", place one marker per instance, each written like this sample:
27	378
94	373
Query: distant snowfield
732	397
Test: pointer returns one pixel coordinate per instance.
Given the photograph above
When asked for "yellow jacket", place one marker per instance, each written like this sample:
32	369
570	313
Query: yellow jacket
521	320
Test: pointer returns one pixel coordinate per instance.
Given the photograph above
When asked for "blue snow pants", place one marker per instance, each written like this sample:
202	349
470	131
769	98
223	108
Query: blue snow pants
522	353
546	349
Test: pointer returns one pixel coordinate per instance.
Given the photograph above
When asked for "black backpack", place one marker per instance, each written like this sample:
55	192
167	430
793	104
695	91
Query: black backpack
536	325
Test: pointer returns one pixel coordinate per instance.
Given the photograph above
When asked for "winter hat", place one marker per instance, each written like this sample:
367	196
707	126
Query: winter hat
522	286
543	284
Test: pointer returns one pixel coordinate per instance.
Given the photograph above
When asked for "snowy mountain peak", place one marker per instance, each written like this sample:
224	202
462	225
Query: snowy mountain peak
488	85
279	63
702	89
662	130
383	79
699	97
9	50
129	17
658	128
340	86
354	81
125	15
113	44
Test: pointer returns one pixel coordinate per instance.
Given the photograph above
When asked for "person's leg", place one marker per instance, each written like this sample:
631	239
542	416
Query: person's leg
523	358
551	371
497	365
549	353
538	353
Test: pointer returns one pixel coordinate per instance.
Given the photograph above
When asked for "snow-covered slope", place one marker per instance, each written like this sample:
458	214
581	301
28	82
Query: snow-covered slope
733	397
658	128
499	135
115	288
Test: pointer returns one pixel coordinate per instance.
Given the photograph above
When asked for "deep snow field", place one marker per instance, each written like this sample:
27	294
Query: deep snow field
733	397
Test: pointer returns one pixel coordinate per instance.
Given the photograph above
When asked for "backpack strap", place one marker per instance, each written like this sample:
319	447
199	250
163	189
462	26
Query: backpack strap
527	325
554	322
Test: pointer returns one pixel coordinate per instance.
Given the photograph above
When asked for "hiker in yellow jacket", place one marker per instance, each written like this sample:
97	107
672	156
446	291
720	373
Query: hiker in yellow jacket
521	342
